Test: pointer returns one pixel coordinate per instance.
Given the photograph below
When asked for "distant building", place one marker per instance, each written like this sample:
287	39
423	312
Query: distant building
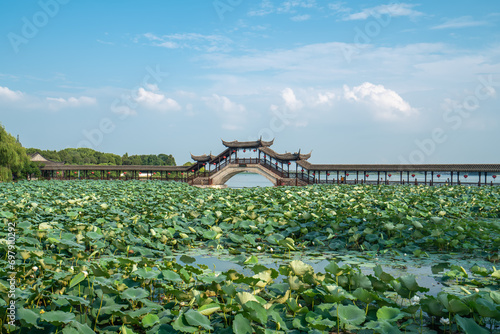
37	157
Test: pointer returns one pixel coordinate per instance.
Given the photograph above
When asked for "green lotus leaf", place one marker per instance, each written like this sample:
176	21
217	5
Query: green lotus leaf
364	295
172	276
6	214
134	294
470	326
359	280
333	268
187	259
209	309
244	297
181	324
150	320
383	276
299	268
495	296
77	279
195	318
433	307
57	318
457	306
125	330
383	327
251	260
255	311
241	325
147	273
351	315
210	234
390	314
316	321
74	327
486	308
94	235
27	316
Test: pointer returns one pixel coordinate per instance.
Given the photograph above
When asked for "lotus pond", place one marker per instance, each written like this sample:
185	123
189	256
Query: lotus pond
155	257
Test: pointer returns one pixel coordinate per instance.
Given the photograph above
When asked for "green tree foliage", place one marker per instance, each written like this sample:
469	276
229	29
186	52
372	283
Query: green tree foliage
149	160
87	156
13	158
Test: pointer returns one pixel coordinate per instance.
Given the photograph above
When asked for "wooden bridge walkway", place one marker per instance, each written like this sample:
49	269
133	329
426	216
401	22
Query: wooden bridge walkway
281	169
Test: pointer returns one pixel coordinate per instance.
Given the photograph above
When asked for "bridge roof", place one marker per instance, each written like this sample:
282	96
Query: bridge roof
492	168
285	156
117	168
247	144
203	158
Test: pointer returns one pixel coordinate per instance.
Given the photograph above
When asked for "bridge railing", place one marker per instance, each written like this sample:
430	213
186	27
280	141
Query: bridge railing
306	178
251	161
274	168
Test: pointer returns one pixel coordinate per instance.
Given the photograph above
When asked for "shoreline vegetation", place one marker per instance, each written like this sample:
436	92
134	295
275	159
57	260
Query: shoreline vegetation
87	156
15	163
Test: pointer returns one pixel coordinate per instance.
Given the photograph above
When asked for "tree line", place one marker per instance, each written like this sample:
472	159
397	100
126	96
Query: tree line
15	162
87	156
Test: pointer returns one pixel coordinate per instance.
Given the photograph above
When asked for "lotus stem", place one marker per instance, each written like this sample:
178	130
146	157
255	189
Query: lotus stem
338	321
98	312
421	319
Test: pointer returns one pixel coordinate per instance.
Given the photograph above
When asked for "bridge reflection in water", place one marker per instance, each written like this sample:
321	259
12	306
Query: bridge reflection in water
287	169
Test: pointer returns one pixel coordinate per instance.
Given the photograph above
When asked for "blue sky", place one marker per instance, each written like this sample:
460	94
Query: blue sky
356	82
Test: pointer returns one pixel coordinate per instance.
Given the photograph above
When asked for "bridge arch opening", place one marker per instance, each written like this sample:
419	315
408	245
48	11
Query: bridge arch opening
248	180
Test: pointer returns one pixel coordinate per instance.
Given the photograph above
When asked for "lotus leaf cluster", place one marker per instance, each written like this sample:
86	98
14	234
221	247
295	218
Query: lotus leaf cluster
109	257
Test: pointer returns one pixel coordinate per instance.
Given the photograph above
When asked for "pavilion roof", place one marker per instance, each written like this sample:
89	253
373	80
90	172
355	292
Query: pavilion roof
285	156
37	157
203	158
247	144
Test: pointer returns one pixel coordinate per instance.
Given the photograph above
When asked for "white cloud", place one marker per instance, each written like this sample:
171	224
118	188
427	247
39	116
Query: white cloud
154	101
25	101
338	7
152	87
104	42
195	41
169	45
411	67
7	94
291	101
231	114
300	18
57	103
385	104
266	7
325	98
460	22
392	10
124	110
290	6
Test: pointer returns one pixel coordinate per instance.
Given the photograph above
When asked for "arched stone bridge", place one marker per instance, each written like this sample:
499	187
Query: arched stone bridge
223	175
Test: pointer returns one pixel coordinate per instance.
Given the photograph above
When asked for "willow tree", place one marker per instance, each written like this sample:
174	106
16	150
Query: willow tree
13	157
